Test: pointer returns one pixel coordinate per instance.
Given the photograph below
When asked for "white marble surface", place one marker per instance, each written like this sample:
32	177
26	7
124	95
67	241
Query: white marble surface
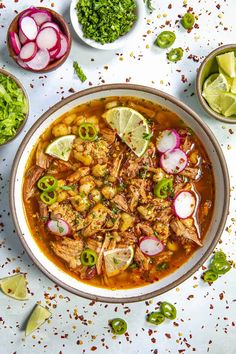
206	321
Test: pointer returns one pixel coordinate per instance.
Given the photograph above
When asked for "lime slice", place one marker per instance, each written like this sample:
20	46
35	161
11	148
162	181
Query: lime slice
226	62
209	80
15	287
61	147
233	86
39	315
131	126
228	104
117	260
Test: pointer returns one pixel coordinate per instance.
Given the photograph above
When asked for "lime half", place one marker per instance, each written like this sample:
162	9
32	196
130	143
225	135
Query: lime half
131	126
39	315
61	147
228	104
15	287
117	260
233	86
209	80
226	62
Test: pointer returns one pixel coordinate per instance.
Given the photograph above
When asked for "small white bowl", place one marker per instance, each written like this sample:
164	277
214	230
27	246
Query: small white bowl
118	43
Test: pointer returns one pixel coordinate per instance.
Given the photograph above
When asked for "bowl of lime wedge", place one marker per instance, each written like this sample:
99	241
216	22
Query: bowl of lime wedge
216	83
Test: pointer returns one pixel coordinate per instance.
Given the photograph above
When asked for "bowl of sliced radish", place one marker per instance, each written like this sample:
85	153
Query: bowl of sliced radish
39	39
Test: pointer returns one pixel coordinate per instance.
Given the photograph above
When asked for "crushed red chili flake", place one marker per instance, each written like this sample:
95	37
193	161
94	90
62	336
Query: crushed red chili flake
221	296
218	6
93	348
153	340
168	335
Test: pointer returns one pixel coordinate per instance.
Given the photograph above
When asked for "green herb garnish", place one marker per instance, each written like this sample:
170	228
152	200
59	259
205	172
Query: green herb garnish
13	108
147	136
79	72
104	21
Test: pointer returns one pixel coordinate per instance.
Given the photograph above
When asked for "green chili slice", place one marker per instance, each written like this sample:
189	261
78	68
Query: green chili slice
49	197
175	54
156	318
163	188
168	310
47	183
210	276
119	326
220	266
188	20
88	257
87	131
219	256
165	39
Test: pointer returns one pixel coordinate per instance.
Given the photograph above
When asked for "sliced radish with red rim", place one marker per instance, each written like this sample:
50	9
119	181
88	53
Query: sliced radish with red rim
48	38
59	227
54	53
174	161
22	63
150	246
40	61
23	39
41	16
51	24
15	42
28	51
168	140
184	204
28	12
29	27
64	46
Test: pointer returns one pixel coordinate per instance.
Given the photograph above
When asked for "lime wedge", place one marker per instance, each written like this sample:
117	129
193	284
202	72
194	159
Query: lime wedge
228	104
213	90
61	147
233	86
209	80
15	287
117	260
39	315
226	62
131	126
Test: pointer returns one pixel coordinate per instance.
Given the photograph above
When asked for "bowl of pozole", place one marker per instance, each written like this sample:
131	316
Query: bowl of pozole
118	193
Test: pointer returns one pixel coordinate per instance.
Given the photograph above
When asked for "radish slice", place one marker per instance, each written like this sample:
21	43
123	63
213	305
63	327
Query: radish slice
22	37
28	12
28	51
54	53
48	38
168	140
15	42
174	161
29	27
40	61
64	46
51	24
59	227
151	246
184	204
22	63
41	16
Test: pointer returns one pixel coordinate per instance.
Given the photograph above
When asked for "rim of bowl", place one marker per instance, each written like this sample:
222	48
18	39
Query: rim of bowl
17	81
53	65
119	42
165	96
204	104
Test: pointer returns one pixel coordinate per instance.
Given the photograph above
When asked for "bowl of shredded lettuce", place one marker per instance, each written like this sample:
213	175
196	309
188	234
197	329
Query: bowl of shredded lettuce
107	24
14	107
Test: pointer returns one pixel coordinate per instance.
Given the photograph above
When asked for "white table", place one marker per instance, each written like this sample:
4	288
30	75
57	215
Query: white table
206	319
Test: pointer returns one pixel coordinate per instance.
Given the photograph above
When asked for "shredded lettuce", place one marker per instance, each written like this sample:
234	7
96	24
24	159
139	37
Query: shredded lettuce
13	108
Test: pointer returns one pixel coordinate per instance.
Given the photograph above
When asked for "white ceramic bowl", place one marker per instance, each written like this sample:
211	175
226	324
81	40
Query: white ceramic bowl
221	202
120	42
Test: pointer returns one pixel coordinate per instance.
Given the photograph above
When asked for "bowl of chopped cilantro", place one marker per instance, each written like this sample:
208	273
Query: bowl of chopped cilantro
14	107
107	24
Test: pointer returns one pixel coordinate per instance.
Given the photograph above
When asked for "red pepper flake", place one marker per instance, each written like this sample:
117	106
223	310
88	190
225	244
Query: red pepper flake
2	6
72	90
184	79
150	331
168	335
221	296
153	340
190	297
93	348
218	6
169	6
